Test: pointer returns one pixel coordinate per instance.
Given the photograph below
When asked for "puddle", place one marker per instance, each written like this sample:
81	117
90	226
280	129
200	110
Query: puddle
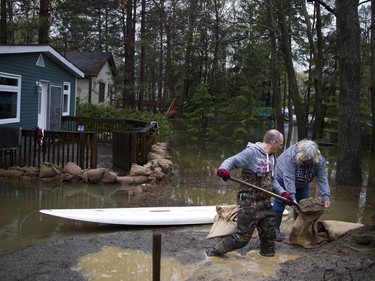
116	264
236	265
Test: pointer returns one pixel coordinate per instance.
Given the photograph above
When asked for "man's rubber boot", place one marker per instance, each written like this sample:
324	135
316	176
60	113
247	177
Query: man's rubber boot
212	253
278	219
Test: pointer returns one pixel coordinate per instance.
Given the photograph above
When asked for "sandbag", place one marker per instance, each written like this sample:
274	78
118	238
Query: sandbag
165	165
153	156
15	172
125	180
95	175
141	179
73	169
109	177
4	173
157	173
159	148
48	170
31	171
304	231
139	170
225	221
331	230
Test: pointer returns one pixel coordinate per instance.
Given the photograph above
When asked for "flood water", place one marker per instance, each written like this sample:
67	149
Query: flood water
194	183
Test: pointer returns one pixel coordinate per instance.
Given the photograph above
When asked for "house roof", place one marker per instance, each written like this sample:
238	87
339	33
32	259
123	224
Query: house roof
46	50
91	62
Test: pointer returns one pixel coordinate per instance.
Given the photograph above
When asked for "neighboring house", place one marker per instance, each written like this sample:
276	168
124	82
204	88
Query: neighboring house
37	86
99	68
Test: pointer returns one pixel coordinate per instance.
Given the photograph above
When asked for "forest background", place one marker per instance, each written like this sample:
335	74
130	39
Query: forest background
228	67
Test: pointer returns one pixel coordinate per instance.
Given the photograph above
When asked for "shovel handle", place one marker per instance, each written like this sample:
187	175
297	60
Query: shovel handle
265	191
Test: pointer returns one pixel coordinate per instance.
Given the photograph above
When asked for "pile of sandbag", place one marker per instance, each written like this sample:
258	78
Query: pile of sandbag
158	166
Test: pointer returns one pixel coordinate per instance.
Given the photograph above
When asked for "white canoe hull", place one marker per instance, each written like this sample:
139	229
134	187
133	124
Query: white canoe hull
141	216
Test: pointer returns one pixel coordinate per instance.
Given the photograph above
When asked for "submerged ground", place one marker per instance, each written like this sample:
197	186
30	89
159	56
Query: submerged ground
351	257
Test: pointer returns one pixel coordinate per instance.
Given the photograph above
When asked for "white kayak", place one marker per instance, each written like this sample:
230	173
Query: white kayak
187	215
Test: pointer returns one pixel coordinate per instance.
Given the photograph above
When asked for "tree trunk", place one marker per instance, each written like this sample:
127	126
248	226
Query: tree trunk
44	22
371	176
275	74
317	52
129	97
372	76
142	62
292	80
3	22
188	57
349	158
161	56
170	50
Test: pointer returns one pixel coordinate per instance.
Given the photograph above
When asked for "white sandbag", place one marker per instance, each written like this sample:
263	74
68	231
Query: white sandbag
126	180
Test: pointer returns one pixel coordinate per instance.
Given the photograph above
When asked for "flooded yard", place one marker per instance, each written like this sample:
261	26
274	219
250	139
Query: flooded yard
194	183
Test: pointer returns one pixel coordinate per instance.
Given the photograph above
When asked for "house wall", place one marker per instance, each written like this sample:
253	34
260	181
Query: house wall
105	76
25	65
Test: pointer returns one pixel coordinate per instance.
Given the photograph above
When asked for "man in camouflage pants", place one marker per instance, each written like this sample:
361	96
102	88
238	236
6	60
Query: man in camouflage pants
255	210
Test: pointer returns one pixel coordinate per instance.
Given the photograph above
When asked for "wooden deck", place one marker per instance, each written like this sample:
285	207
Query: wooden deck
87	149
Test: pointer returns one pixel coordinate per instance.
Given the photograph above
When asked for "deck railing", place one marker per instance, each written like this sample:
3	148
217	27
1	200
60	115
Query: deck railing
131	142
55	147
102	126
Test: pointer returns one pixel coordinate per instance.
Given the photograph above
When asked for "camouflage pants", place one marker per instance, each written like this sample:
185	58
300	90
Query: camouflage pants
248	219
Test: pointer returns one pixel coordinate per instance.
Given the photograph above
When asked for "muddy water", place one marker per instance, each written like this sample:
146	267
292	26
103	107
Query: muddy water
114	263
194	183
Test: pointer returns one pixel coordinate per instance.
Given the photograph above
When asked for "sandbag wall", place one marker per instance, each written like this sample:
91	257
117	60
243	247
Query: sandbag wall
158	166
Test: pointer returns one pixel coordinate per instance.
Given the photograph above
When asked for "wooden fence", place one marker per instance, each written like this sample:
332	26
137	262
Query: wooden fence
131	142
55	147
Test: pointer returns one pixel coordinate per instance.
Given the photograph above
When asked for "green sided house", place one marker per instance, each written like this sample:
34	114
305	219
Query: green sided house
37	86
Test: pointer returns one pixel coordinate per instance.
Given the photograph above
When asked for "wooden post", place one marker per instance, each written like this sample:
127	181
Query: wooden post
156	256
94	151
81	150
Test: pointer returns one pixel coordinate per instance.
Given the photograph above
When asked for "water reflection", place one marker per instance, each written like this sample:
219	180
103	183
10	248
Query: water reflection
194	183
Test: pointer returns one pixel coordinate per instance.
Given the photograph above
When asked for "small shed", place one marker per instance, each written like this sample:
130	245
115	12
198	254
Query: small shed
37	86
98	84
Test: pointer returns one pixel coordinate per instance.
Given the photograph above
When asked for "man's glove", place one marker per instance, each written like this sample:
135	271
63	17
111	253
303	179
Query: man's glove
224	174
287	196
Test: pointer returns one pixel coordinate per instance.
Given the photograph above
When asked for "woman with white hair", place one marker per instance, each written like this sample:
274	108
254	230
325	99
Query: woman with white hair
295	168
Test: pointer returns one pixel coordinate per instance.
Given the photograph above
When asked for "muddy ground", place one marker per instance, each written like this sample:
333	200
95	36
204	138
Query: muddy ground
351	257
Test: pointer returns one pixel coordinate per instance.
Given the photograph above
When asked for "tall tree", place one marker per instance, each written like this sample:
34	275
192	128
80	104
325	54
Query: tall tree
349	159
142	60
3	22
286	49
372	76
187	72
275	73
129	79
44	22
317	73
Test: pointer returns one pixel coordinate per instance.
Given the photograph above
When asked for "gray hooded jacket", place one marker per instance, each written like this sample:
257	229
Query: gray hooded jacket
291	175
253	159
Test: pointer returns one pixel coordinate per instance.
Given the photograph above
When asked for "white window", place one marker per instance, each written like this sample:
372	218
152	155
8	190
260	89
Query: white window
10	98
66	99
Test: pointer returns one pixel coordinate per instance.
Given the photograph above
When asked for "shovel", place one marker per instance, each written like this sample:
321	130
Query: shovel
265	191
